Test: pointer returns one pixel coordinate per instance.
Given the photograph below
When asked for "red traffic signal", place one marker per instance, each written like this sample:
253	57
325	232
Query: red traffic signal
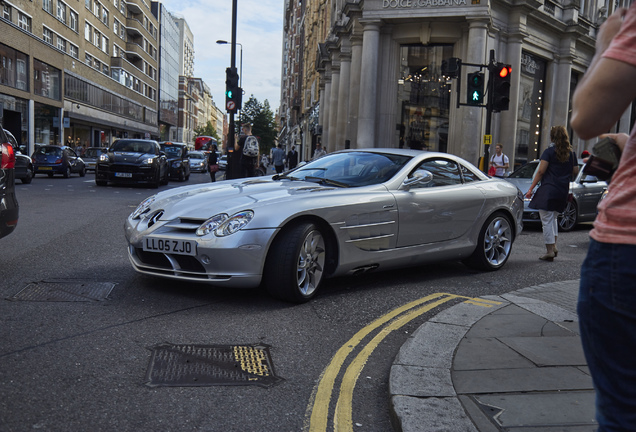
500	97
505	70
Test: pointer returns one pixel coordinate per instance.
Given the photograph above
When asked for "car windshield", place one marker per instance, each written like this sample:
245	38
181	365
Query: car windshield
196	155
350	169
92	152
133	147
525	172
172	151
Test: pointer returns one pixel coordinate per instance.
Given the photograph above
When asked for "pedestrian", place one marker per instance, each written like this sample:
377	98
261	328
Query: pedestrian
319	151
292	158
557	168
248	163
264	163
500	161
607	296
278	159
213	162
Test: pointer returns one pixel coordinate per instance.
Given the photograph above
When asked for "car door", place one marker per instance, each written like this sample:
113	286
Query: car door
441	210
72	159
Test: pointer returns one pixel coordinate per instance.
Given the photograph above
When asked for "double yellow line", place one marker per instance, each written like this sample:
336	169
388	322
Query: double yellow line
317	417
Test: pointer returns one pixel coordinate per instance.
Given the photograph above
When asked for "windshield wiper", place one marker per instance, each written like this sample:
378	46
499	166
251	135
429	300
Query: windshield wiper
327	181
284	176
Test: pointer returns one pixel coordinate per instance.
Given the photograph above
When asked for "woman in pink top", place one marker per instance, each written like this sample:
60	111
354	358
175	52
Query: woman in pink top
607	298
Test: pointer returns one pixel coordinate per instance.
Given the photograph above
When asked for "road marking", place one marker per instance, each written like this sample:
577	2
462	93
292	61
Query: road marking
317	417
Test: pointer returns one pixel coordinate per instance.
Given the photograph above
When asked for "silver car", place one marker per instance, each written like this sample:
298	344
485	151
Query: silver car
198	161
348	212
585	193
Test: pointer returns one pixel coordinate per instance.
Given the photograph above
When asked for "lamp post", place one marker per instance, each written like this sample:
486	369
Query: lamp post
224	42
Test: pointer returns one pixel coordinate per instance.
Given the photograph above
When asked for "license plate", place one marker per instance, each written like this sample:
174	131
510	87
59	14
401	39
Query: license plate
179	247
125	175
45	168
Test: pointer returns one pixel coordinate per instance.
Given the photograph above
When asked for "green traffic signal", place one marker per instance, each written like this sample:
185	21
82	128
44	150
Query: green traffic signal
475	95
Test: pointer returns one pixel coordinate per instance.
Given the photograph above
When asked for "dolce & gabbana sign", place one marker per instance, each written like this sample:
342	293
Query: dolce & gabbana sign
405	4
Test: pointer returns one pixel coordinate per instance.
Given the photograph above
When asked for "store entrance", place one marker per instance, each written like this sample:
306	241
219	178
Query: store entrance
424	97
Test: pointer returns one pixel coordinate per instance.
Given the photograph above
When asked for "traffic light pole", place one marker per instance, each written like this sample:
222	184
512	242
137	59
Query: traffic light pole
233	164
491	67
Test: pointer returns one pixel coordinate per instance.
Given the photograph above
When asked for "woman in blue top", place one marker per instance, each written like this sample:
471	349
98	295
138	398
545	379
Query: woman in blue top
557	168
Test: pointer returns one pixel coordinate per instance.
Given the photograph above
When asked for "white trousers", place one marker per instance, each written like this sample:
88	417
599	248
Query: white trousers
549	220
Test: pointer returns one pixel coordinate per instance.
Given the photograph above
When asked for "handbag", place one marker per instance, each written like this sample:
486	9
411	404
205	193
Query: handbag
214	168
492	171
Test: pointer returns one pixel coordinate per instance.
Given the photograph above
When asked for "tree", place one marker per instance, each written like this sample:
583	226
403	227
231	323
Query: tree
207	130
261	117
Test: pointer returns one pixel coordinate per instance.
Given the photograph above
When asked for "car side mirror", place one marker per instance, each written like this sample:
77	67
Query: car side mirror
419	177
589	179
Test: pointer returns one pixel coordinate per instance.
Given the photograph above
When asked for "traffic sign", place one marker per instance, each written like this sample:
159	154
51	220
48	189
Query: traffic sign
487	139
230	105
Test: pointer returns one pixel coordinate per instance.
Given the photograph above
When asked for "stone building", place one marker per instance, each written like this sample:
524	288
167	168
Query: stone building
381	81
81	73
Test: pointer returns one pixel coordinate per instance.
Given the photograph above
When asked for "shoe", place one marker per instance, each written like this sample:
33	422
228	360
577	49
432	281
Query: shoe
548	257
556	252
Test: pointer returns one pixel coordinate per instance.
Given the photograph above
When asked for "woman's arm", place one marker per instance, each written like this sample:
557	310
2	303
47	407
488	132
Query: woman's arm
543	166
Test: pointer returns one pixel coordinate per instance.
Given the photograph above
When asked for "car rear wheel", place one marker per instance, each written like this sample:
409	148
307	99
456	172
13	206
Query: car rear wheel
29	176
494	244
82	172
569	217
295	263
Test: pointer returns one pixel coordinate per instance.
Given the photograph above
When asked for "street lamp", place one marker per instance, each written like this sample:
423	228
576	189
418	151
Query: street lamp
224	42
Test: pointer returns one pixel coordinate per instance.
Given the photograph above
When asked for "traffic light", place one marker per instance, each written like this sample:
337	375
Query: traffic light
233	93
475	94
451	67
501	87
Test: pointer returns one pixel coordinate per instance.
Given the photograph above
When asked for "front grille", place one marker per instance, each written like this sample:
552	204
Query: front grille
128	168
161	260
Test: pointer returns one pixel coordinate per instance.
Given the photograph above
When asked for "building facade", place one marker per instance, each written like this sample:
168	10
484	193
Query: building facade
78	73
382	83
169	35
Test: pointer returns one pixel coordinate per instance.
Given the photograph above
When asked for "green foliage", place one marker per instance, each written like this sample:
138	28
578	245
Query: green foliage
263	122
207	130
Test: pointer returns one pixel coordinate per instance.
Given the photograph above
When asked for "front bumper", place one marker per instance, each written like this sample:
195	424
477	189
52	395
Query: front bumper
134	173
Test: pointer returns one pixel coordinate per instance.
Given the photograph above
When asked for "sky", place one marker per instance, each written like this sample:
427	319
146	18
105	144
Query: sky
259	30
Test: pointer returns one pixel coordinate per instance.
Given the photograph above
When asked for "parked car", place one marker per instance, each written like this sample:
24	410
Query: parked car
23	163
178	159
9	207
223	162
198	162
91	155
132	161
53	159
348	212
585	194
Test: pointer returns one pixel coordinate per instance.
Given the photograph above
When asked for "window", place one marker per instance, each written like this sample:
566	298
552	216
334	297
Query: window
105	69
87	3
61	44
47	5
116	4
6	12
97	36
46	80
13	68
88	59
61	11
24	21
73	51
87	31
73	20
47	35
105	44
116	26
104	15
445	172
96	9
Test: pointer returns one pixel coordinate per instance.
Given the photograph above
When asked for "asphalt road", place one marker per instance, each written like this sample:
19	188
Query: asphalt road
82	365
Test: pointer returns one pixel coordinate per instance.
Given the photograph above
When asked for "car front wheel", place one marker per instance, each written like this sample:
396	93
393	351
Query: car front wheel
569	217
296	263
29	176
494	244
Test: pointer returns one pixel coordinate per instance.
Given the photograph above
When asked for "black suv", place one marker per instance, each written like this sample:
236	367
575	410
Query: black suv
8	202
178	159
132	161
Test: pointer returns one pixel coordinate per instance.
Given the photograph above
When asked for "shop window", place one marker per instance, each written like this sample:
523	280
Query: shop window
13	68
531	90
424	96
46	80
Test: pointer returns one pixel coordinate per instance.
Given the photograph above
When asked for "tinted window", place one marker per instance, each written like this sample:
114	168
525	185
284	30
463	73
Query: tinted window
133	147
445	172
526	171
49	151
468	175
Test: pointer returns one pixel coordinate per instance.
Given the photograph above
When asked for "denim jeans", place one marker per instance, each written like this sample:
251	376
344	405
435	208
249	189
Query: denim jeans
607	317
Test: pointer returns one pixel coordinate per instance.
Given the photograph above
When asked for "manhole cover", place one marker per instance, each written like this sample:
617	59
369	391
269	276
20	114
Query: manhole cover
208	365
64	290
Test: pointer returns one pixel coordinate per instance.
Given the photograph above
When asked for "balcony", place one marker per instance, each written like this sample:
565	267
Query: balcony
134	6
134	27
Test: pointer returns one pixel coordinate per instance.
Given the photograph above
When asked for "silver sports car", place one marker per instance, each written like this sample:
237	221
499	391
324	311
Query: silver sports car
348	212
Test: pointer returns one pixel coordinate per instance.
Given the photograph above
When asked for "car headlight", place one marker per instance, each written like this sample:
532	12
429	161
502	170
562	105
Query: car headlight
148	161
223	225
143	207
103	157
176	164
211	224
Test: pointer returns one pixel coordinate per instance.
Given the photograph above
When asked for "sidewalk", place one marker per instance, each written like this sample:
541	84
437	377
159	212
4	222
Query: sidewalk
517	366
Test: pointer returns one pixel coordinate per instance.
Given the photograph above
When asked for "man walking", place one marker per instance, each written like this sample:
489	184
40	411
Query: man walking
292	158
278	158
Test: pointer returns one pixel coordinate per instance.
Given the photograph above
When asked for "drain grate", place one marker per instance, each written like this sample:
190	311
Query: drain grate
208	365
64	290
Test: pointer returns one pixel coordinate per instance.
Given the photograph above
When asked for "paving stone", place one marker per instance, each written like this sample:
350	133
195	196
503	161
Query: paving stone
487	353
431	414
432	345
522	324
521	380
549	351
